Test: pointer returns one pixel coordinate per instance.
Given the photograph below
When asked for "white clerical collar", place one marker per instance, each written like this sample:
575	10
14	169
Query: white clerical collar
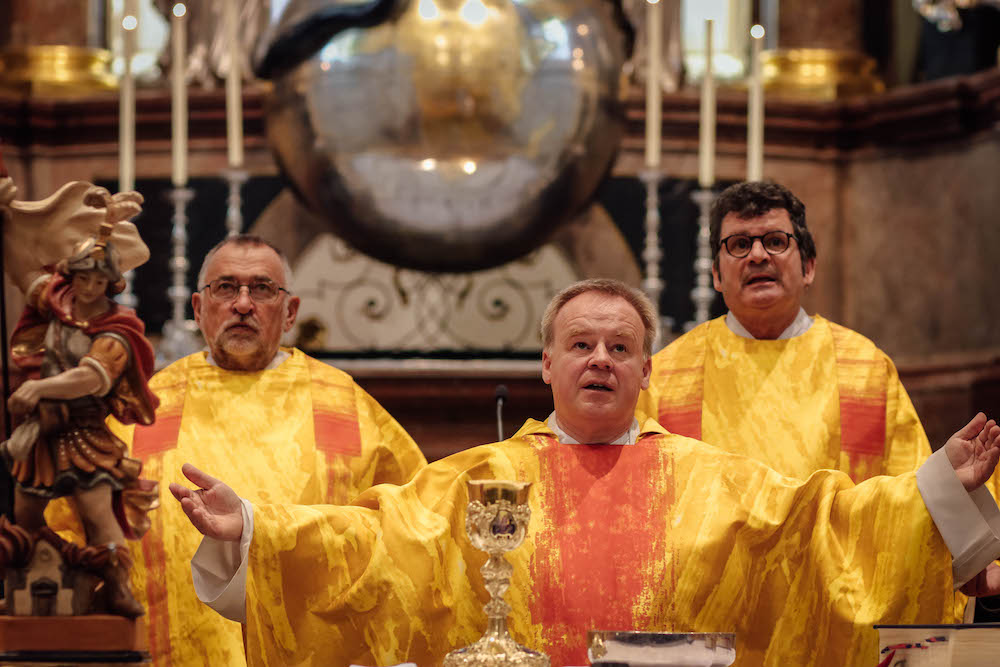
279	358
799	326
629	437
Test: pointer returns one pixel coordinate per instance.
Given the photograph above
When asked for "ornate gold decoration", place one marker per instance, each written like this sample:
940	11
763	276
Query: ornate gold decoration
819	74
56	70
496	522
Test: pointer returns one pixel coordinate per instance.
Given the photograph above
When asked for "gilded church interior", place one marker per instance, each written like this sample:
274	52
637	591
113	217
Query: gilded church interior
435	171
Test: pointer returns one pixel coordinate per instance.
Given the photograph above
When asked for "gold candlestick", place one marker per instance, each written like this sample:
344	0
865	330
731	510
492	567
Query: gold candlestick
497	521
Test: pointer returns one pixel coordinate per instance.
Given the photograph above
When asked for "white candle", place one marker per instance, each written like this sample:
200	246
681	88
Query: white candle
126	101
654	96
179	103
706	140
234	93
755	109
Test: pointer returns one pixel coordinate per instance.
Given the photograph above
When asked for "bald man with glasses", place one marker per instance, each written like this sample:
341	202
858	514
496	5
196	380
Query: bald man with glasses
282	426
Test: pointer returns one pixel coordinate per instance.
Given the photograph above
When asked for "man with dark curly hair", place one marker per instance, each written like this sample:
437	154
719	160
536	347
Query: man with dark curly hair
797	392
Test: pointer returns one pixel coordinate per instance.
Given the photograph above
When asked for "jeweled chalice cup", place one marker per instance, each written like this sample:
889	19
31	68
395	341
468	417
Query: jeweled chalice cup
497	521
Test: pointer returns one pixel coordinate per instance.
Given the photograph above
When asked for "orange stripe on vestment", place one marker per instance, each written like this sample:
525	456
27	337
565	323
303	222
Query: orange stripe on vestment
603	541
336	433
335	414
157	602
161	435
147	442
862	379
682	388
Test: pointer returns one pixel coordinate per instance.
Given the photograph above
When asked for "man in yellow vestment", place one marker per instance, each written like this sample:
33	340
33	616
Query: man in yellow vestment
638	529
768	381
284	427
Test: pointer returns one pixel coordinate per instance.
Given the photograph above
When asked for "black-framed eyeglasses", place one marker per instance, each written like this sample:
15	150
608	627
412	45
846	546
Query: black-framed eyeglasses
774	242
261	291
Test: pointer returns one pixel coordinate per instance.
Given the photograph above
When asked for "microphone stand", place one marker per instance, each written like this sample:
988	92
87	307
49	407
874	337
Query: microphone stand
500	394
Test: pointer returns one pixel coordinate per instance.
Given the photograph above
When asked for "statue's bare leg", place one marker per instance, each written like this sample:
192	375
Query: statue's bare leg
103	530
29	510
99	520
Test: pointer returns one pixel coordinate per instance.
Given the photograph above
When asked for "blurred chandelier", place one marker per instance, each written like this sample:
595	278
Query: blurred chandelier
445	135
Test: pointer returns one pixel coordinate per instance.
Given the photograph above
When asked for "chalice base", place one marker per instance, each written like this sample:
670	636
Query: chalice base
495	651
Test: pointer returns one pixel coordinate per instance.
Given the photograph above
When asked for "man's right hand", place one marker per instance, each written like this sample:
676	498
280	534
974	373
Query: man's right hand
213	508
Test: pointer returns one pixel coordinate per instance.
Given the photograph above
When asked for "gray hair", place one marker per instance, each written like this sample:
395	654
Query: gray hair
250	240
643	306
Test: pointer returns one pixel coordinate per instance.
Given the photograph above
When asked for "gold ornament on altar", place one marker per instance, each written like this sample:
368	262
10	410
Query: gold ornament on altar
819	74
496	522
56	70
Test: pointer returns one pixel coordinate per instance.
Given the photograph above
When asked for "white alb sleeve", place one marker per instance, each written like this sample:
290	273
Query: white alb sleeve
219	571
969	523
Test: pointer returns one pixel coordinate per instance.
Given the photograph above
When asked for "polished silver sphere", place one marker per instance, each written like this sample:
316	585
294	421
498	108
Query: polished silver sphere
452	135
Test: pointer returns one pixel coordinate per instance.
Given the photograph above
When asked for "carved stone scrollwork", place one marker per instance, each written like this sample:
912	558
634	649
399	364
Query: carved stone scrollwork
363	305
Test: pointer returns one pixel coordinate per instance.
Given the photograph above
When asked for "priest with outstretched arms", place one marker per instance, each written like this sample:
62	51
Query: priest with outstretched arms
631	528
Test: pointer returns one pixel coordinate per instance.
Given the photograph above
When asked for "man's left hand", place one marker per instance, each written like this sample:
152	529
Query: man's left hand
974	452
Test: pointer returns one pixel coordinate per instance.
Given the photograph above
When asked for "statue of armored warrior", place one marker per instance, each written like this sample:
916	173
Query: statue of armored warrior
85	357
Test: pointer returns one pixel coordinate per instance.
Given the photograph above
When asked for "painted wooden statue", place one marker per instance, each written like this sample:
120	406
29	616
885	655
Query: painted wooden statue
84	357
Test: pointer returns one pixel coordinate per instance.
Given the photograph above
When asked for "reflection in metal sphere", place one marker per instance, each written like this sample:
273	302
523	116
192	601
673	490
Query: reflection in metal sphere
456	134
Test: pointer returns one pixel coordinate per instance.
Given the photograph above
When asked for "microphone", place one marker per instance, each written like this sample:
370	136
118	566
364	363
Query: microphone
500	394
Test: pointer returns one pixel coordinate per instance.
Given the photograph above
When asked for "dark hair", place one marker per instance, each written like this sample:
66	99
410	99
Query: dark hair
752	199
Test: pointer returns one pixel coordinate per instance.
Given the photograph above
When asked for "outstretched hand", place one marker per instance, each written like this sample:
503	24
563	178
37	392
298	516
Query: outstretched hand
974	451
213	508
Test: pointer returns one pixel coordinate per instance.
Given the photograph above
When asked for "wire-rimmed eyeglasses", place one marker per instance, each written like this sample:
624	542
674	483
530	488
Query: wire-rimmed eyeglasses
261	291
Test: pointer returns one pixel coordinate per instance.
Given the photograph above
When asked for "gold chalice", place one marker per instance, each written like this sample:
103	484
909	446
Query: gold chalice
497	520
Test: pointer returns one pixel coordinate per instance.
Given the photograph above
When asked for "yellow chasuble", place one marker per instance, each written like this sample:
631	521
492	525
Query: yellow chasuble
826	399
666	534
302	432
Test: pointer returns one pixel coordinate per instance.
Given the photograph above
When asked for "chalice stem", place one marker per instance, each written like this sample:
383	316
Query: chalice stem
496	522
496	627
496	575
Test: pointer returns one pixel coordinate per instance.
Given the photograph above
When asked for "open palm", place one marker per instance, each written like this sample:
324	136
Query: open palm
974	451
213	508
